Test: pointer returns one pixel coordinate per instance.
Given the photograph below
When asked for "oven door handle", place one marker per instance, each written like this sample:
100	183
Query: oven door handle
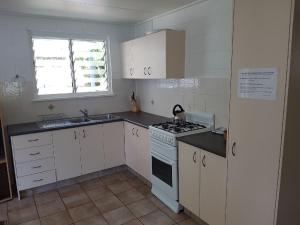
157	144
162	158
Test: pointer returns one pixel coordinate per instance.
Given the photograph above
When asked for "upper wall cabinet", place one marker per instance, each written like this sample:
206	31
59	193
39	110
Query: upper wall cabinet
159	55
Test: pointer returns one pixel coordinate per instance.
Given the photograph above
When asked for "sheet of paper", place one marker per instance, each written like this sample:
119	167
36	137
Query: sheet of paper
260	84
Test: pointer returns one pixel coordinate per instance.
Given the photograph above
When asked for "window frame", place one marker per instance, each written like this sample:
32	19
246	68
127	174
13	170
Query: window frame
58	36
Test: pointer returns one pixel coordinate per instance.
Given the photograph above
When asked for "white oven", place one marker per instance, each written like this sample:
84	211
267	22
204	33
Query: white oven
164	175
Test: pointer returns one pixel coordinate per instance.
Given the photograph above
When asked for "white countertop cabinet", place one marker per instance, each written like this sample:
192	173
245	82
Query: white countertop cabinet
202	183
47	157
137	149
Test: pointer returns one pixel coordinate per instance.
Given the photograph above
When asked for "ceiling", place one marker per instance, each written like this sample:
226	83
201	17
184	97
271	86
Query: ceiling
99	10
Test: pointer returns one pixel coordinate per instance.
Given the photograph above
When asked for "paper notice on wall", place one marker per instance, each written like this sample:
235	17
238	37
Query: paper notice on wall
260	84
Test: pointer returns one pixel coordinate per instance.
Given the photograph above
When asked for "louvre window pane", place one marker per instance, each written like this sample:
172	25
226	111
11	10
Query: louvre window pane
90	66
52	66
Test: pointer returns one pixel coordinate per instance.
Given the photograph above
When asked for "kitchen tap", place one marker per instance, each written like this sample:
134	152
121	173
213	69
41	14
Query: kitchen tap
85	114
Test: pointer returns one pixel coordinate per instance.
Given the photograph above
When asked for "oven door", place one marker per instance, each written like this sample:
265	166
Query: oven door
164	174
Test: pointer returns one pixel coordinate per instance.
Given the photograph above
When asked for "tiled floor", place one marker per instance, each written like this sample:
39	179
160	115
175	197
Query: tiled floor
120	198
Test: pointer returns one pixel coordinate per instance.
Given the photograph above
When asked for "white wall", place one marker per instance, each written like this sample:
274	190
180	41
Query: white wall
16	57
208	25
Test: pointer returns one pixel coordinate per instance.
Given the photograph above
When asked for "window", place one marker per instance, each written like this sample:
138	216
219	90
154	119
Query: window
68	66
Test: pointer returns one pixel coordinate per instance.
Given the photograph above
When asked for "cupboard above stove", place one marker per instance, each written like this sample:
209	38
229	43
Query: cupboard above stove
159	55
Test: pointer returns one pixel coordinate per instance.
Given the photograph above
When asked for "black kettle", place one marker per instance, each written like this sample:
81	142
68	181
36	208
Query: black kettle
178	113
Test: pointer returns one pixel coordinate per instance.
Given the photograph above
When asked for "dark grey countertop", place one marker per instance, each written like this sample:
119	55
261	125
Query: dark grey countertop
141	119
209	141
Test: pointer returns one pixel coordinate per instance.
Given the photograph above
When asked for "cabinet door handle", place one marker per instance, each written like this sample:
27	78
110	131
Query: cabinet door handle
204	161
233	149
194	157
75	135
145	73
84	133
132	131
136	133
33	154
37	167
130	71
149	70
39	180
33	140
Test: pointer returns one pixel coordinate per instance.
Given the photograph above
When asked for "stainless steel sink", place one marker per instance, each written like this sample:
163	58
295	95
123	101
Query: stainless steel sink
78	120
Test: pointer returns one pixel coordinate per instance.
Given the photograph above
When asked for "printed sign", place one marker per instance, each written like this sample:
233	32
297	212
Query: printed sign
260	84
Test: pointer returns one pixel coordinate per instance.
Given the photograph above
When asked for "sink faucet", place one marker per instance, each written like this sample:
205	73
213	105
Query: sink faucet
85	114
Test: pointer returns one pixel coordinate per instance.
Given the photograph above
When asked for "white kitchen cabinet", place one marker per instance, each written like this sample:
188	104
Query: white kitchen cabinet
202	183
213	174
128	60
160	55
189	177
67	153
137	151
92	152
113	141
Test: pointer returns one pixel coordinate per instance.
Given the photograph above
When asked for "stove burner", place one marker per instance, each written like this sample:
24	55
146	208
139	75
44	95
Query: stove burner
178	127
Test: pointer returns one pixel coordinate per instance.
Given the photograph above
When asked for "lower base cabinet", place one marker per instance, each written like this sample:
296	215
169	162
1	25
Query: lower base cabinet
202	183
58	155
67	153
137	149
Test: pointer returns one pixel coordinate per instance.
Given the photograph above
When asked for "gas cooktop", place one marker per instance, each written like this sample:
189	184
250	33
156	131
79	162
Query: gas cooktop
177	128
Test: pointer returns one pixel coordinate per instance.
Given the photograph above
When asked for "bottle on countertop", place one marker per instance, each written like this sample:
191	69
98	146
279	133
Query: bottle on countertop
134	105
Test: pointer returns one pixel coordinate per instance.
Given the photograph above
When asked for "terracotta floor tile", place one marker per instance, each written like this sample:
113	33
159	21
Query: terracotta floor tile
33	222
142	208
3	212
61	218
91	184
75	200
177	217
46	197
110	179
118	216
119	187
128	174
99	193
19	204
135	182
133	222
69	190
188	222
22	215
83	212
157	202
95	220
50	208
130	196
145	190
108	203
156	218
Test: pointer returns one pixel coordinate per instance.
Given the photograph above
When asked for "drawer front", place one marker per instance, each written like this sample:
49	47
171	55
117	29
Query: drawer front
33	167
36	180
35	153
31	140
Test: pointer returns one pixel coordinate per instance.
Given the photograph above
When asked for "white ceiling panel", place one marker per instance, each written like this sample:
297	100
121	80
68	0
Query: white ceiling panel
100	10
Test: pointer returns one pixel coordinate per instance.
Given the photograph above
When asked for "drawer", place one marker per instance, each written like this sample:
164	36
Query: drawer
36	180
31	140
35	153
33	167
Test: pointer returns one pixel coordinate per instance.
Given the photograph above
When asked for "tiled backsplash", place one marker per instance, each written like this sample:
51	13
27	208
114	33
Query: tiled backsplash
194	94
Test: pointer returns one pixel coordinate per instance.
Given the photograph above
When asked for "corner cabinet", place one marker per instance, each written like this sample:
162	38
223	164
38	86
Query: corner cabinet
159	55
137	149
202	183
